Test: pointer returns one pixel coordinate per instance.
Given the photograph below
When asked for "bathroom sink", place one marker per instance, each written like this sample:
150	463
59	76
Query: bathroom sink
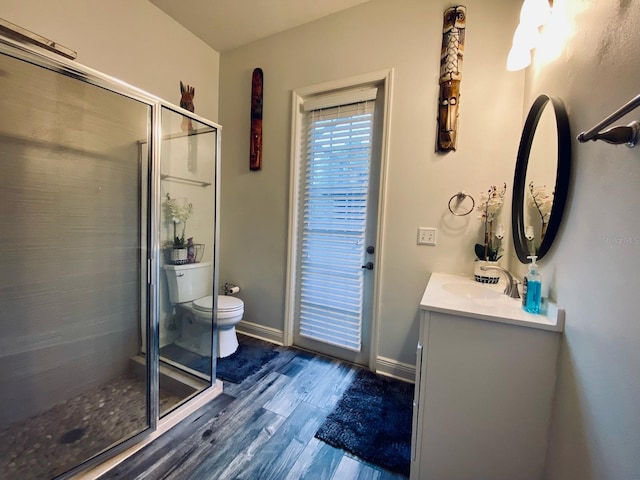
462	296
471	291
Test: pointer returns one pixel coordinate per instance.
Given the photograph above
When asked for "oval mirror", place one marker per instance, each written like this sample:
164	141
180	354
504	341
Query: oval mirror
541	178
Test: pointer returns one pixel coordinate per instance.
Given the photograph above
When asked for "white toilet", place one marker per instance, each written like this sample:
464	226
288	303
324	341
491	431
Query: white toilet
189	291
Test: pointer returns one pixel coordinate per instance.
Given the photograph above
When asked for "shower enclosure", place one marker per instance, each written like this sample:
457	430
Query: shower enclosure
90	170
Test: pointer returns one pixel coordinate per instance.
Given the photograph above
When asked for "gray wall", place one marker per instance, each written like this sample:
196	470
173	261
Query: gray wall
131	40
590	61
405	35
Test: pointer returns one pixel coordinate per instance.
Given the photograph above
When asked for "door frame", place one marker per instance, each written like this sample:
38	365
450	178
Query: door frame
382	79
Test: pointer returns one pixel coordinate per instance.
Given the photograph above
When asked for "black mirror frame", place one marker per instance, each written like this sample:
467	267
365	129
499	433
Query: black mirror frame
562	176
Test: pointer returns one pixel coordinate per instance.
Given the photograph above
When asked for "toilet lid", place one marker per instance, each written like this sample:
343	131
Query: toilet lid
225	303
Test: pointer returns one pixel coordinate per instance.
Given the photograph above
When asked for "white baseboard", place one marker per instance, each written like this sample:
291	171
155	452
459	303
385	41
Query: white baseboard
261	332
384	366
393	368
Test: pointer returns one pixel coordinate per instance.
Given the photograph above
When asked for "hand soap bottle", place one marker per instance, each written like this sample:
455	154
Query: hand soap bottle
532	288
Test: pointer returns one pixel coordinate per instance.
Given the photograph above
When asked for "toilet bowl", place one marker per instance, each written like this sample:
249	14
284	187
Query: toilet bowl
189	292
230	312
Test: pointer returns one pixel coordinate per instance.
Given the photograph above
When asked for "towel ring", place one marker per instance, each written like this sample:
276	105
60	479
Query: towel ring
461	196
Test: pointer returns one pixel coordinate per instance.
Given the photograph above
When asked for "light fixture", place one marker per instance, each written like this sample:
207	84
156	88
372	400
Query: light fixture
535	12
533	15
518	59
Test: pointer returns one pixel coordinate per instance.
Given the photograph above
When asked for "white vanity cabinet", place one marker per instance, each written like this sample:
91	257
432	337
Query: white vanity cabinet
485	379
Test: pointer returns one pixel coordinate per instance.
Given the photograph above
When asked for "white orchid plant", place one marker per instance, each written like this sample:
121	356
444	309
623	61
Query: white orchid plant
178	213
542	201
491	202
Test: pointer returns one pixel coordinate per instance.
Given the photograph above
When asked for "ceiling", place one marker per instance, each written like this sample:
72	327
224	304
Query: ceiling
228	24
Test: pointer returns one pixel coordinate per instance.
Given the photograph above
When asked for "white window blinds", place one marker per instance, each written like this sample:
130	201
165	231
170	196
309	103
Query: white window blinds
334	214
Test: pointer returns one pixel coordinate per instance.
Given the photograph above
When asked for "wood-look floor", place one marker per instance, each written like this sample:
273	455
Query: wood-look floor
260	429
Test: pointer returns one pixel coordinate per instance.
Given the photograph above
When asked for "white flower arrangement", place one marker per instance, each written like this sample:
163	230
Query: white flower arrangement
491	202
543	202
178	214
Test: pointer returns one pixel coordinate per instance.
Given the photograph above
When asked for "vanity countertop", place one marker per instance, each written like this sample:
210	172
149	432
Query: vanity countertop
463	296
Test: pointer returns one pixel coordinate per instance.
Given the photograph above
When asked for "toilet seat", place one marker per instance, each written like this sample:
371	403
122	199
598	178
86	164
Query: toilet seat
227	306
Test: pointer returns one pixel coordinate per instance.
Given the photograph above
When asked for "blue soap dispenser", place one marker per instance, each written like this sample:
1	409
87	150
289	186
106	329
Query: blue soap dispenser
532	288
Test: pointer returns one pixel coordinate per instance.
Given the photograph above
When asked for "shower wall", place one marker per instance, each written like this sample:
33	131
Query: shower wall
70	265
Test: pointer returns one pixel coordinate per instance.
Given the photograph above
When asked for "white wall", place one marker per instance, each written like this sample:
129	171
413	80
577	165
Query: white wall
131	40
405	35
594	265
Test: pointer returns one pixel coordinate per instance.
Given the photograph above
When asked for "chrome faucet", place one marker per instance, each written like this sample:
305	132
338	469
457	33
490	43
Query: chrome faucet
511	288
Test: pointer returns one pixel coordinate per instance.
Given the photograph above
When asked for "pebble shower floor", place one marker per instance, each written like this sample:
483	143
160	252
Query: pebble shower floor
50	443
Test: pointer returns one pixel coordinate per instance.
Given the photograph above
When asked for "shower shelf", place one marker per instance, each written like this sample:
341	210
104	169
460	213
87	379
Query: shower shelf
173	178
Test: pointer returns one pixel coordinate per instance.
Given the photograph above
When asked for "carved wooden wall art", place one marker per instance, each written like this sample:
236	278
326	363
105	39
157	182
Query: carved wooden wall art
255	145
454	25
186	101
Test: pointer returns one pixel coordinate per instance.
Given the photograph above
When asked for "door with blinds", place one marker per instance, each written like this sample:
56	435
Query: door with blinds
337	212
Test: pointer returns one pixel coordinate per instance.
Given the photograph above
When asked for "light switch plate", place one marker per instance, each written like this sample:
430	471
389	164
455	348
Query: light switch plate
426	236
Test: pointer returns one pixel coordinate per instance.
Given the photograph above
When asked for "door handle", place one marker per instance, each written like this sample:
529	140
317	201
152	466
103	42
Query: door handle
371	249
368	266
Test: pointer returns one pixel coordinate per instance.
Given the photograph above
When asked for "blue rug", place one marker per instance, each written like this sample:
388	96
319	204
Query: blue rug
245	361
373	421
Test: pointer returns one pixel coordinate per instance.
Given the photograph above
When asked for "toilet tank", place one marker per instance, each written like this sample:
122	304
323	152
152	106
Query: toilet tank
189	282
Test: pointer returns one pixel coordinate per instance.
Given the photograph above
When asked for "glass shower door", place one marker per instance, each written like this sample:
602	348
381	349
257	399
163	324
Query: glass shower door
73	270
187	300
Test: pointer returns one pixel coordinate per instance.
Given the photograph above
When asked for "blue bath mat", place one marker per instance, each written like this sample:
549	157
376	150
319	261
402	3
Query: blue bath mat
373	421
245	361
